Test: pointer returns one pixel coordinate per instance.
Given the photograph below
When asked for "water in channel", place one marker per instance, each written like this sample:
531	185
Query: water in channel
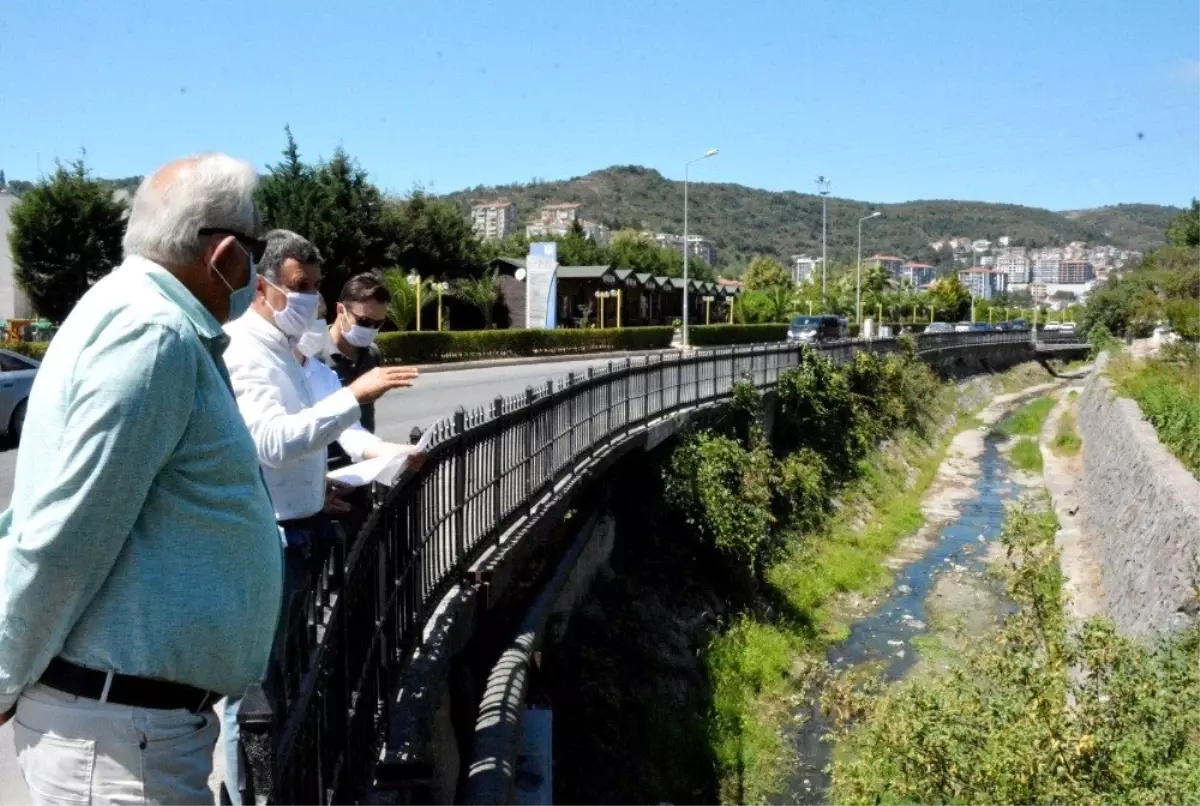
884	636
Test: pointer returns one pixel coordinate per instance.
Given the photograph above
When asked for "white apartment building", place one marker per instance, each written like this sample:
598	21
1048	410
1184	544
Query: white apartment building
555	228
803	268
984	283
1014	265
698	246
562	212
13	302
494	221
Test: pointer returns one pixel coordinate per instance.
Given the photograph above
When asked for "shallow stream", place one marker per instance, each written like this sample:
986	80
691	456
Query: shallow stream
884	636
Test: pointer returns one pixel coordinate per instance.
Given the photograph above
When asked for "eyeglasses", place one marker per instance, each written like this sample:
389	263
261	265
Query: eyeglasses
255	246
367	322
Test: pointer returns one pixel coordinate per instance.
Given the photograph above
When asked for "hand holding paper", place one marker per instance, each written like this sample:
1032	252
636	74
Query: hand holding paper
382	469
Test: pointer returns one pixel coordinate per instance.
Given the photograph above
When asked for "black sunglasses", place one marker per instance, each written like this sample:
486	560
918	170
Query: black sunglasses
255	246
363	321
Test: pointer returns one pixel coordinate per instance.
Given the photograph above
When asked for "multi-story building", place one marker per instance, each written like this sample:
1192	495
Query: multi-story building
1014	264
14	304
1075	272
698	246
1045	269
918	275
494	221
984	283
562	212
555	228
894	265
803	268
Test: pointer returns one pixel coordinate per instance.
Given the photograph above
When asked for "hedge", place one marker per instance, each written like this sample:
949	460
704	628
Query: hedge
34	349
463	345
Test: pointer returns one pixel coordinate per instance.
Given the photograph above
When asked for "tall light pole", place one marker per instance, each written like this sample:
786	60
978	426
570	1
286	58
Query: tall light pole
858	293
823	186
712	152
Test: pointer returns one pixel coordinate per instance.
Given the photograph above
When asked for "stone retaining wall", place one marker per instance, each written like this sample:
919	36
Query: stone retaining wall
1141	508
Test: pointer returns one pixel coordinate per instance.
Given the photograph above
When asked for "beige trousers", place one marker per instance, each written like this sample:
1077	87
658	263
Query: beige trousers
79	751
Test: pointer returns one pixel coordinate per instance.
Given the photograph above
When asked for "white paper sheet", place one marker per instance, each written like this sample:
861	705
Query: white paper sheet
383	469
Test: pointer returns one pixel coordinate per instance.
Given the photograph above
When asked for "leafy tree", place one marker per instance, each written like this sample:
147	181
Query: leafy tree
480	292
1185	229
334	206
950	299
431	236
764	273
66	235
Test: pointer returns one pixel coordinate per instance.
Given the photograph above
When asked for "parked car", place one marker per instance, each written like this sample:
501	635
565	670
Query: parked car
821	327
1018	324
979	327
939	327
16	379
1068	326
962	327
1052	326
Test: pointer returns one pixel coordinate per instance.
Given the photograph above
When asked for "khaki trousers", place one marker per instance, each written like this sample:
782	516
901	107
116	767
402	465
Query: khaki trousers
79	751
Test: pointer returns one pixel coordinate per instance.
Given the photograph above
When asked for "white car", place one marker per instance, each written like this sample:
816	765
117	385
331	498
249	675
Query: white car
962	327
1052	326
1067	326
16	378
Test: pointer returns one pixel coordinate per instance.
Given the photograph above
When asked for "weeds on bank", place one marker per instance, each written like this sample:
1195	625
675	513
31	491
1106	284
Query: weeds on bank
1028	419
1035	714
1066	439
1167	389
1027	455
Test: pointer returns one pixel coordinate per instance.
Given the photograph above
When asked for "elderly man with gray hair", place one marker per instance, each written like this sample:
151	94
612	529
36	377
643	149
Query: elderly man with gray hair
292	427
140	560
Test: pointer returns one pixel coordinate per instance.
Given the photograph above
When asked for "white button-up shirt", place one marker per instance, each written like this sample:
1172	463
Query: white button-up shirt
291	425
324	383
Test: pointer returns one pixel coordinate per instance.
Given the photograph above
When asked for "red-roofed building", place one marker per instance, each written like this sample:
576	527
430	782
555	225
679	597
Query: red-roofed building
893	264
918	275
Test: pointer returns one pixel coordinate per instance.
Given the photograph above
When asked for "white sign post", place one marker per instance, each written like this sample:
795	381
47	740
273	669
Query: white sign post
540	268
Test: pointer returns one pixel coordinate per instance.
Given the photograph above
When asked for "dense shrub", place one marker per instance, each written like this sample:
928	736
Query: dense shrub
802	490
34	349
1036	714
817	410
459	345
715	335
723	491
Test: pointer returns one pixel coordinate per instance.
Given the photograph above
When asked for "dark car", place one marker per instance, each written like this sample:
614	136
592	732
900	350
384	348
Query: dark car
821	327
979	327
1018	324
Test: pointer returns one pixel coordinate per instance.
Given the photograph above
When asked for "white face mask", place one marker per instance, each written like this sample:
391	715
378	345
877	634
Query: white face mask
360	336
314	340
297	314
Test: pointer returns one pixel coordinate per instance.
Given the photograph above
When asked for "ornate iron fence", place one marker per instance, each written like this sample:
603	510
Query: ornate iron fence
486	469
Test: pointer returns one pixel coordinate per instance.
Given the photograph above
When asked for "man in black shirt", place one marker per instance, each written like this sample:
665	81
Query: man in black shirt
361	312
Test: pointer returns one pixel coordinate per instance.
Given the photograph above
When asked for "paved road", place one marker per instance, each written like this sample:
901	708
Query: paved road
436	395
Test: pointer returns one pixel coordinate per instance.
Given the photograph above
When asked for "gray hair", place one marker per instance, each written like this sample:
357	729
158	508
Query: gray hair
283	244
176	201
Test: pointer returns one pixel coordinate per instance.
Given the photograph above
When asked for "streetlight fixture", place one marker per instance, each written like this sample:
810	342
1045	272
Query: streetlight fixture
823	187
414	280
712	152
858	293
708	301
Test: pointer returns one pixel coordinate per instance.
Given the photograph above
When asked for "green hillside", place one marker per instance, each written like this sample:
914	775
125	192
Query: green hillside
744	221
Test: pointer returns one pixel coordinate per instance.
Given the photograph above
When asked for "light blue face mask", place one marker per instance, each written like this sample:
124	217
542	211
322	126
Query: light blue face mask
240	298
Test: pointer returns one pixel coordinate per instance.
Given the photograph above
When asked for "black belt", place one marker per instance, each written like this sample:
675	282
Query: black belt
137	692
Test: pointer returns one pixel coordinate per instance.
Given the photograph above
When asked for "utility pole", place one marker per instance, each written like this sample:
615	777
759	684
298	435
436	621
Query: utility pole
823	186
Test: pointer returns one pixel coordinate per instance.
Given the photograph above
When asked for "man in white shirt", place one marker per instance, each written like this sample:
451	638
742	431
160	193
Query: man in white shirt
291	425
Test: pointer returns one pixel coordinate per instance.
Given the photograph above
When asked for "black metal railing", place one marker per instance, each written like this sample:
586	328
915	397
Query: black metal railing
485	471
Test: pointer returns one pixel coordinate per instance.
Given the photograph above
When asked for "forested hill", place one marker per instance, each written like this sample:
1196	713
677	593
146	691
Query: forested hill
744	221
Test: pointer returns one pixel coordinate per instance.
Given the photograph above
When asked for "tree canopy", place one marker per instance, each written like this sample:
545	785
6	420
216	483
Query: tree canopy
66	234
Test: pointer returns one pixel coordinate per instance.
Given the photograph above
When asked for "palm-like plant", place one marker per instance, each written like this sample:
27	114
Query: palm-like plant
480	292
402	310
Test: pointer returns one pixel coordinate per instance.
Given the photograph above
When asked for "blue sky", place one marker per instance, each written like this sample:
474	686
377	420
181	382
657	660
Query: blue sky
1028	101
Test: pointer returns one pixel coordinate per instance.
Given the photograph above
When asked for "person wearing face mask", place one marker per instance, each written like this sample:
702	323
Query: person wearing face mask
361	312
140	567
292	427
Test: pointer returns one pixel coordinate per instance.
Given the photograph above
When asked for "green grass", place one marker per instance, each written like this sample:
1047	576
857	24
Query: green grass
1027	455
1028	419
1066	439
1168	392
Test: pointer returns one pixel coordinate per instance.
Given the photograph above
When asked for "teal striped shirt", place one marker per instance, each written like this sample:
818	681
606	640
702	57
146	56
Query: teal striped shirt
141	538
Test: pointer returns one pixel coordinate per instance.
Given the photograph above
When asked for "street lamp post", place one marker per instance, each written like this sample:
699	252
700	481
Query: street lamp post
858	293
414	280
823	186
712	152
442	288
708	299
